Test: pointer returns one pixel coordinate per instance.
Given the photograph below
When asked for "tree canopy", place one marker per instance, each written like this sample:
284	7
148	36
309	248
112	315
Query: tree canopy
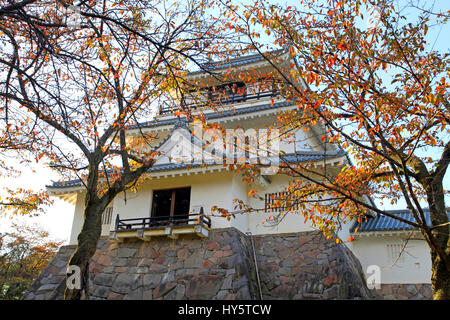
24	253
76	76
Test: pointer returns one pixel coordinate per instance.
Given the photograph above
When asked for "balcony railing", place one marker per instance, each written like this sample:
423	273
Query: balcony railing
230	99
151	223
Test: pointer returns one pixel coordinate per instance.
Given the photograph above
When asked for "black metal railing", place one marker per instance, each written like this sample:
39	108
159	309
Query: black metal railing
235	98
149	223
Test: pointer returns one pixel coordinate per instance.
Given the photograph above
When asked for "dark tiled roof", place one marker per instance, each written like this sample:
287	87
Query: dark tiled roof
210	66
217	65
65	184
385	223
156	168
235	62
311	156
228	113
292	158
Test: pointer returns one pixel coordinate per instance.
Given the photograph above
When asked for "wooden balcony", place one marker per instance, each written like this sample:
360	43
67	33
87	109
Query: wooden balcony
170	226
201	104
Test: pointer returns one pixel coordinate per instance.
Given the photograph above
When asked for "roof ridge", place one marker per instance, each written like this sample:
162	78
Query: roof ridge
386	223
227	113
236	61
176	166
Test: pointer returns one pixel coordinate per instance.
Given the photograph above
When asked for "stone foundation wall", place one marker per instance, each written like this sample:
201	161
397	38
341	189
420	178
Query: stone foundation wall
414	291
307	266
291	266
50	284
186	268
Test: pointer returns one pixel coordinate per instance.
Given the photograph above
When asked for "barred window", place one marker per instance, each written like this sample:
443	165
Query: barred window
395	254
107	216
280	201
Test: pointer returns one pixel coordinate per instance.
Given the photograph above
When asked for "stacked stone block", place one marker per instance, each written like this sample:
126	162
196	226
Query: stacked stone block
291	266
411	291
307	266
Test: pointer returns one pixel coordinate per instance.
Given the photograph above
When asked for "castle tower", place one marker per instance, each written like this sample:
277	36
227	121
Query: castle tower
166	241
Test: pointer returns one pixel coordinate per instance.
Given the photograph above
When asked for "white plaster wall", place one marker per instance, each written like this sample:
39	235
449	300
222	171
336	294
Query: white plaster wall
344	234
130	204
213	190
239	190
415	268
106	228
207	190
287	144
78	218
292	222
304	141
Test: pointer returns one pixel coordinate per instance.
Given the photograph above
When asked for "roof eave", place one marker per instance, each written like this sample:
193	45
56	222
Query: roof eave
237	64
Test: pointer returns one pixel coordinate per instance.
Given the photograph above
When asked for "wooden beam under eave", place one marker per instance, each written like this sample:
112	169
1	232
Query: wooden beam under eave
173	236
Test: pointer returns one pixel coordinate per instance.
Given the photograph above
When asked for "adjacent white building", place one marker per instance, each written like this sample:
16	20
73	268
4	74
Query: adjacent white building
400	252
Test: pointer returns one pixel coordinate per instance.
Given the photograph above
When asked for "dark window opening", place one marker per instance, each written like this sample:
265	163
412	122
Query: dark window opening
229	93
170	206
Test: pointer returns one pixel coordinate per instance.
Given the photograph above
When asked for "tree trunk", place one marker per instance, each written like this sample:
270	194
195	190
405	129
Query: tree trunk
440	278
87	245
440	263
